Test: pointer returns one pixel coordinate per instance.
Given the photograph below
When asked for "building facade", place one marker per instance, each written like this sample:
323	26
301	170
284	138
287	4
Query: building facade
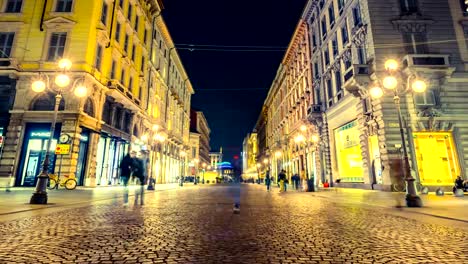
250	171
200	141
336	55
137	89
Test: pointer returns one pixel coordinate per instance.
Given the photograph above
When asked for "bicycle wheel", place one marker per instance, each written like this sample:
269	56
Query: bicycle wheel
70	184
399	187
51	184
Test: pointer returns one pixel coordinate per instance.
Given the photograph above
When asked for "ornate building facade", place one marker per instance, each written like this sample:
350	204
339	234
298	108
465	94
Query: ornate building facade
137	89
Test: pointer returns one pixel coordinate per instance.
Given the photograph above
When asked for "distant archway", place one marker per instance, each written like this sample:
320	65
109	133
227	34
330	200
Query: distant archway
46	102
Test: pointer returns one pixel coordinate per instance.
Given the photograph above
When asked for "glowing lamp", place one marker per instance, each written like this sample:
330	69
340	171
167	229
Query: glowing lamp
81	91
315	138
38	86
65	64
390	82
278	154
391	65
155	127
144	138
265	161
376	92
419	86
303	128
62	80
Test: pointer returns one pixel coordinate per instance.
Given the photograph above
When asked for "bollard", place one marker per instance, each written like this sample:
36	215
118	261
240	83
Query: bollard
459	193
236	209
439	192
424	190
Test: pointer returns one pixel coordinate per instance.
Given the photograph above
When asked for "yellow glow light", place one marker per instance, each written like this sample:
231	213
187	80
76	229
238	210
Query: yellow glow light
265	161
299	138
144	138
376	92
278	154
81	91
303	128
38	86
155	127
390	82
391	65
65	64
315	138
62	80
419	86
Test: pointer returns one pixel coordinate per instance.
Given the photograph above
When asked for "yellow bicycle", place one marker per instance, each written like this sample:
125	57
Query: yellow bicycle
55	181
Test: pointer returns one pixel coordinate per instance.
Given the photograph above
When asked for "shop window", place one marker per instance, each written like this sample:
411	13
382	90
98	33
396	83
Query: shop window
46	102
348	153
88	107
13	6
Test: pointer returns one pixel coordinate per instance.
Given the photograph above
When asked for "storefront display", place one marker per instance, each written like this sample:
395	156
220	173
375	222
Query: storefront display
436	157
82	157
34	152
110	152
348	153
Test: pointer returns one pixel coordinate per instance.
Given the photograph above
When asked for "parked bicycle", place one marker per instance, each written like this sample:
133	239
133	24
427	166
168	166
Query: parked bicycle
55	181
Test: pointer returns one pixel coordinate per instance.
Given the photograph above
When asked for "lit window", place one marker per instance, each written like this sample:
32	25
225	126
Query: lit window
64	6
57	45
98	61
6	43
13	6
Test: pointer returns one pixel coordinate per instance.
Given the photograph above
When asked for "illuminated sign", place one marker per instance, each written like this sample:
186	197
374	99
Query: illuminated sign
62	149
40	134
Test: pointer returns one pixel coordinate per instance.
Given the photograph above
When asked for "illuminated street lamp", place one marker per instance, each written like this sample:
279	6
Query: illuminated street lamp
391	85
156	139
61	81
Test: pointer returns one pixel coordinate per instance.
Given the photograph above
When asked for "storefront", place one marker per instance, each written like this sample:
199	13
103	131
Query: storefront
33	152
110	152
82	156
348	153
436	158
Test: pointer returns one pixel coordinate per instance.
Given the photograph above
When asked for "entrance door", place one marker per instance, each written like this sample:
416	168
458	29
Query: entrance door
437	158
35	155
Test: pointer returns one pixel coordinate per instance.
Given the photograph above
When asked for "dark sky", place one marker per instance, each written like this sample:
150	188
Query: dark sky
231	86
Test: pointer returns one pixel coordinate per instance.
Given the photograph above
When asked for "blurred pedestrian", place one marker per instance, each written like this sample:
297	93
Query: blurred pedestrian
282	180
295	179
268	180
139	174
126	168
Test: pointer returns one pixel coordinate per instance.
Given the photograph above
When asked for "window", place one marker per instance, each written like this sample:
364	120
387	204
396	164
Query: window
316	71
130	83
126	43
326	55
104	13
57	45
361	52
357	16
130	11
121	3
145	36
464	7
13	6
64	6
140	93
314	41
331	14
324	28
137	21
330	92
133	52
409	7
321	3
338	81
112	73
425	99
143	62
341	4
6	43
97	63
344	34
335	46
117	32
415	43
122	76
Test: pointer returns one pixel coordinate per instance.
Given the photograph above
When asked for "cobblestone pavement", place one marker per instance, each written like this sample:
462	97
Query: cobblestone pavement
197	225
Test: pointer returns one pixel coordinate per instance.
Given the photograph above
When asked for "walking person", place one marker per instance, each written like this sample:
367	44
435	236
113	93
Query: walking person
268	180
139	165
126	168
282	180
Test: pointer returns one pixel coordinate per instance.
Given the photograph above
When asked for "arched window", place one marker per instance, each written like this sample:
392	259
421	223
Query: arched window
106	112
88	107
46	102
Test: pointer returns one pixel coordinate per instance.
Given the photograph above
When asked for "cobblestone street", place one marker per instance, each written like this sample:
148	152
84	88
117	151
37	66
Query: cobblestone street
197	225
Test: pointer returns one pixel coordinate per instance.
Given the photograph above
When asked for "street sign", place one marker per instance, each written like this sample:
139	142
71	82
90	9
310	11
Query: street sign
62	149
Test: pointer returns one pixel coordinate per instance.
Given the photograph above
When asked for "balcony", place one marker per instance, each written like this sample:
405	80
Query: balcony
8	63
314	111
433	64
356	78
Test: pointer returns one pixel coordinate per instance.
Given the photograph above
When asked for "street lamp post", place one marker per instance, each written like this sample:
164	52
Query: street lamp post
62	80
390	83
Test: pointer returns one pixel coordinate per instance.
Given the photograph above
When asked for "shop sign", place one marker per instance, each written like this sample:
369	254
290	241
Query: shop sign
1	141
40	134
62	149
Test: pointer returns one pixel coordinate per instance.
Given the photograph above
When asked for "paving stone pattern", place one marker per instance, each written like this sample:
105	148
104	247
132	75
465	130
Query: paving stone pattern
197	225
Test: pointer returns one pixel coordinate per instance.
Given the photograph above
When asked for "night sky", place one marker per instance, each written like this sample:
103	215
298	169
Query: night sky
231	83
